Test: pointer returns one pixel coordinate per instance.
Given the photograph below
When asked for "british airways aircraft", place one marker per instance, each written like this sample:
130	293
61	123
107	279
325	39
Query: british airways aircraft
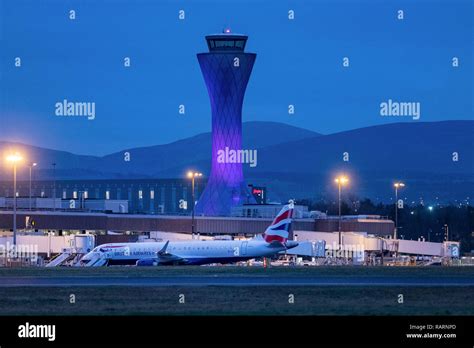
273	241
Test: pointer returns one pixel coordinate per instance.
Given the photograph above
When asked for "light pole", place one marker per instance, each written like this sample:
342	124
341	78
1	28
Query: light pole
397	185
14	159
340	181
31	165
193	175
54	186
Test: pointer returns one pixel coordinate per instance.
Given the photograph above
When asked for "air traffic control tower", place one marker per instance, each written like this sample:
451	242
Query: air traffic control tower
226	69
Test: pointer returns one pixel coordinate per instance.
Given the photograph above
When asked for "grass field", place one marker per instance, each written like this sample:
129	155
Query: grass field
252	300
243	300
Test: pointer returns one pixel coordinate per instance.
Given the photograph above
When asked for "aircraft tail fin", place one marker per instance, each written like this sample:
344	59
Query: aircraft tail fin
279	230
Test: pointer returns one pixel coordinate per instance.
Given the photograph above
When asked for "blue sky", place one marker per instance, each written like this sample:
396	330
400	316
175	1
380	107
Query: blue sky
298	62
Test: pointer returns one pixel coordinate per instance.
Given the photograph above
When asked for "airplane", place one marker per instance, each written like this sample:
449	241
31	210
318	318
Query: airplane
273	241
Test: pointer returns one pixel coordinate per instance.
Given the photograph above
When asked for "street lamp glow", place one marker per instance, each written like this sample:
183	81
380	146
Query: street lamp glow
341	180
399	184
14	158
430	208
193	174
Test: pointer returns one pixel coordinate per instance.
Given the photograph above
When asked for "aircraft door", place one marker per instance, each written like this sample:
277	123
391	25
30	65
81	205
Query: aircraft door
243	248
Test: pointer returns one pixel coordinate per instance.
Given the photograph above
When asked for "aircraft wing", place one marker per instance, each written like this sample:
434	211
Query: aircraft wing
164	257
163	250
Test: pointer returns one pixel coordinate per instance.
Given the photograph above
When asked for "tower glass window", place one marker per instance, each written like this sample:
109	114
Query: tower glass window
220	44
226	42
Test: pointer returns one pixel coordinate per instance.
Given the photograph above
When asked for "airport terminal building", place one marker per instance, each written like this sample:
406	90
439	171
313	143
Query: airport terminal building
144	196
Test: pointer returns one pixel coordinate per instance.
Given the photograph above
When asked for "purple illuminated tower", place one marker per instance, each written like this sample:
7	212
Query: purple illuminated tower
226	69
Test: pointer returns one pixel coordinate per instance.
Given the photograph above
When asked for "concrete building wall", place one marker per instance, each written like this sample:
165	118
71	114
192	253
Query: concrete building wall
379	227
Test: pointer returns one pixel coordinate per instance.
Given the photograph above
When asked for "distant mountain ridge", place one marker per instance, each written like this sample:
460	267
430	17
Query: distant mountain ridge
296	162
182	153
147	161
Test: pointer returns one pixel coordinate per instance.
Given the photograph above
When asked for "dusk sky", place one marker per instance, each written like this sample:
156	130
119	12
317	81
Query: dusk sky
298	62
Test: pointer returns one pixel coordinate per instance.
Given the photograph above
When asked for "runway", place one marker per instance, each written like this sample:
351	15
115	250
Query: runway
199	281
